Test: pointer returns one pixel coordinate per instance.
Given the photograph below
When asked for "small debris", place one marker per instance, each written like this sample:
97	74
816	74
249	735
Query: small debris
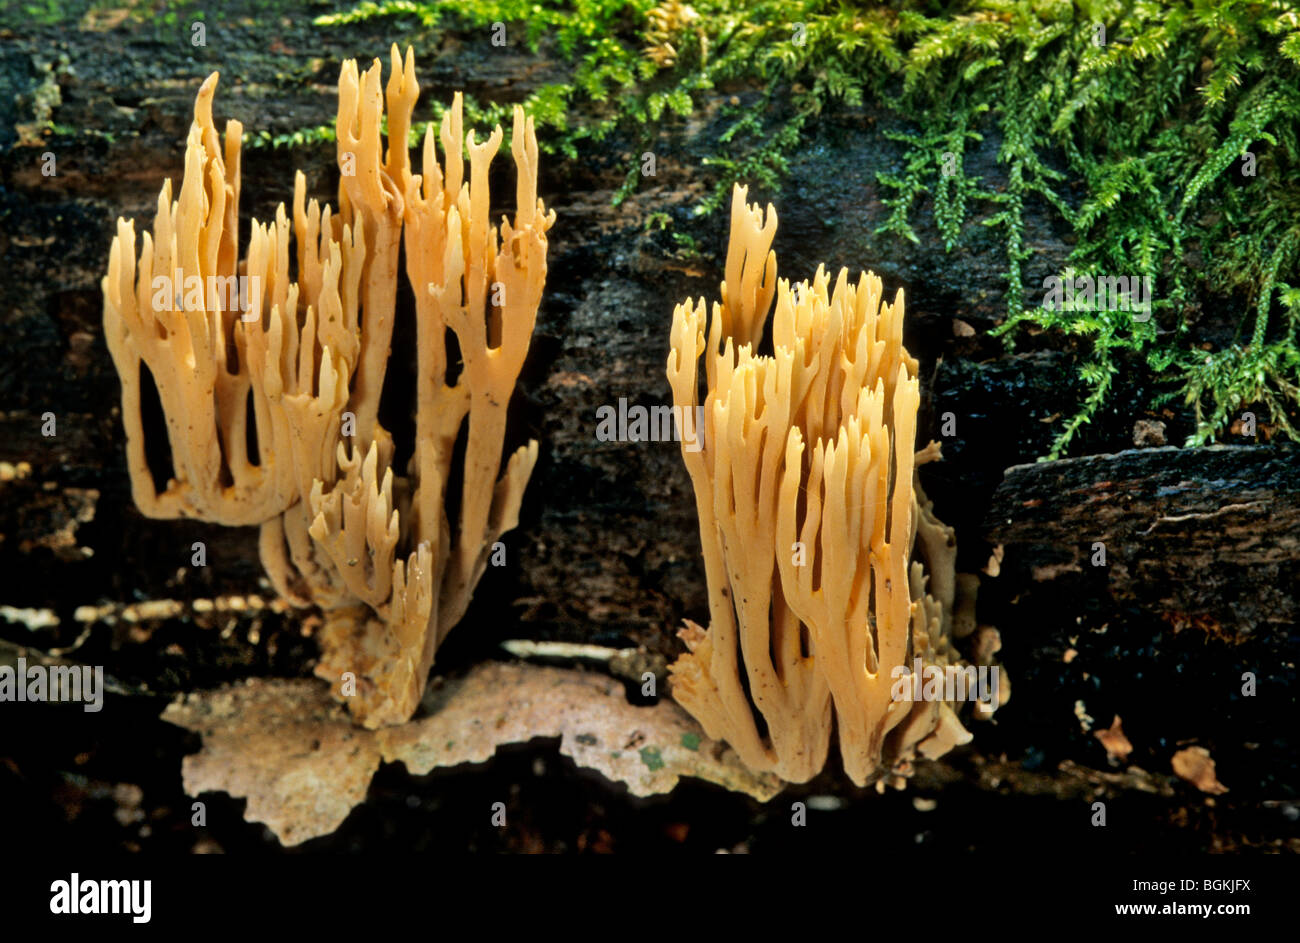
128	797
1149	434
1085	720
825	803
12	472
1194	765
1051	571
994	566
1117	745
33	619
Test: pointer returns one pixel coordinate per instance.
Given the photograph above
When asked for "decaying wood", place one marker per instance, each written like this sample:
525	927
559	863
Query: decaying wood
1204	537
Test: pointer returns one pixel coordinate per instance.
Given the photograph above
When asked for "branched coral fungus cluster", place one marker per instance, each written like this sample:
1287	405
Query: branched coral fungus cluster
272	403
829	576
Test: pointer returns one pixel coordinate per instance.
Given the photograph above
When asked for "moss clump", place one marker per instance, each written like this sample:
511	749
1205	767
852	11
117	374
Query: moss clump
1163	133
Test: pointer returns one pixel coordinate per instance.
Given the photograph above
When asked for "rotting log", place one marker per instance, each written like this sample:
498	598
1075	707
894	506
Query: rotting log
1200	537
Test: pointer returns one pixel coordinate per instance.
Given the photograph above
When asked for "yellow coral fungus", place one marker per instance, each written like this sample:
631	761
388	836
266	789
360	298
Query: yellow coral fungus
829	577
241	353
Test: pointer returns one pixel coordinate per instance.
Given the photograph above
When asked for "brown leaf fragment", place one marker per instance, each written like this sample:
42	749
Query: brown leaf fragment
1195	765
1117	745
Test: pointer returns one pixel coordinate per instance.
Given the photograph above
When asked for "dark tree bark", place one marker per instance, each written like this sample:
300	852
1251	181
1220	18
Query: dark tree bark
1206	537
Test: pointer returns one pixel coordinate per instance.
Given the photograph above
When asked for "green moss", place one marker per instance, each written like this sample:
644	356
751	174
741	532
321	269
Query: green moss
1137	145
47	12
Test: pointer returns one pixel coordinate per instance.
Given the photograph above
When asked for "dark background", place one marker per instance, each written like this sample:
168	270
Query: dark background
607	551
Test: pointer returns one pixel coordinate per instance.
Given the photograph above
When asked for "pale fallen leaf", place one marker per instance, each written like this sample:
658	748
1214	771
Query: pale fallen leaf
291	750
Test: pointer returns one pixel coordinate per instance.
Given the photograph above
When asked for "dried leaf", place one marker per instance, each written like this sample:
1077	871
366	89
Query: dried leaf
1195	765
1117	745
303	766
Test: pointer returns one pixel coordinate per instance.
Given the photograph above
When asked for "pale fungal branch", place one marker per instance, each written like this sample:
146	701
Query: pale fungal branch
271	393
828	573
168	312
357	527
